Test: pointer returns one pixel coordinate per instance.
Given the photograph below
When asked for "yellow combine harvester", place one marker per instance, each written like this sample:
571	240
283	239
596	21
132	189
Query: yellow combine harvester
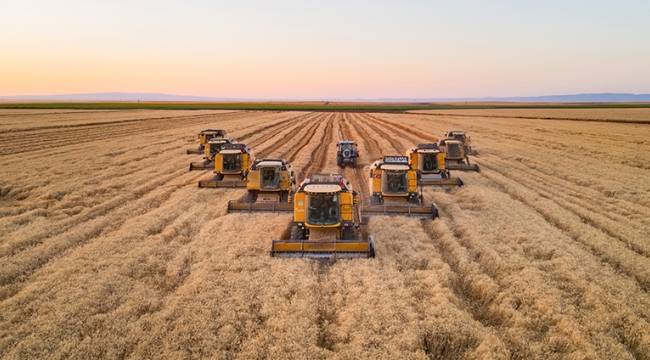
456	157
395	190
211	149
230	167
462	137
326	222
270	184
429	162
204	136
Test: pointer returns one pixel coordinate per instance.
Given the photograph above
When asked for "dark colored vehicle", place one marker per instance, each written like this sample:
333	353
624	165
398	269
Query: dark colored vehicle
346	153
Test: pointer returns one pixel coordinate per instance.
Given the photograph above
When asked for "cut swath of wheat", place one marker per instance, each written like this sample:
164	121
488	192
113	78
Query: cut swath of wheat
108	247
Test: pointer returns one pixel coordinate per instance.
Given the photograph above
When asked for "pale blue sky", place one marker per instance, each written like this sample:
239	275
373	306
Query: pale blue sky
309	49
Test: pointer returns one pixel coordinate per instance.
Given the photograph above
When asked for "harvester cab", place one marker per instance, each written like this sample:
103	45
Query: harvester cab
230	167
205	135
270	184
456	157
456	135
326	222
463	138
346	153
429	162
211	149
395	190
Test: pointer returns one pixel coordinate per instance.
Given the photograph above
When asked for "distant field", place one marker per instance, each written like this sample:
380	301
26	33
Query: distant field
108	249
311	106
635	115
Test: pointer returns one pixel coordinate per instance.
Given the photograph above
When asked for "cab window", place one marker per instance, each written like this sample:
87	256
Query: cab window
429	162
270	177
323	209
231	162
396	182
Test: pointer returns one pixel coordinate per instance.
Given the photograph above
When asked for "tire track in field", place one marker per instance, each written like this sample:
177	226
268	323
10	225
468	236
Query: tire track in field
30	114
467	285
561	183
76	132
473	305
164	233
506	138
15	287
374	149
384	133
287	134
579	194
549	285
482	282
637	271
326	308
22	215
611	121
291	154
83	146
99	210
273	126
103	123
405	132
147	157
588	221
130	149
354	175
543	185
318	155
617	208
17	269
370	143
64	137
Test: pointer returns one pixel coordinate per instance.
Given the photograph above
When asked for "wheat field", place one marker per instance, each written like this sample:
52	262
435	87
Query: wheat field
109	249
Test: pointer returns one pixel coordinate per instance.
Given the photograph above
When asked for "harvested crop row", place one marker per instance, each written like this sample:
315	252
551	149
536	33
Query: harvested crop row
13	144
98	175
167	273
613	346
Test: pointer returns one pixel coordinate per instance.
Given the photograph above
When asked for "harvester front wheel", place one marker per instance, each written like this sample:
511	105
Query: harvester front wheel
415	199
297	233
347	233
252	196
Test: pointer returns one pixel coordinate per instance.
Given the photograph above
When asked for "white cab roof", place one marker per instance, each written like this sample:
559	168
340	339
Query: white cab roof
322	188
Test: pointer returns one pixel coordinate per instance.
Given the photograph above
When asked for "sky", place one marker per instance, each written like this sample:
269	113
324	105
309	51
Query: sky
325	49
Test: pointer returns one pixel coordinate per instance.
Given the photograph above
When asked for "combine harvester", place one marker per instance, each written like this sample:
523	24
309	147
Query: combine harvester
211	149
456	153
230	167
326	222
204	136
462	137
395	190
429	162
270	184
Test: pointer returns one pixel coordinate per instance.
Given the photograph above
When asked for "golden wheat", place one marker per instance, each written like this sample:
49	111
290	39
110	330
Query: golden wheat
108	248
